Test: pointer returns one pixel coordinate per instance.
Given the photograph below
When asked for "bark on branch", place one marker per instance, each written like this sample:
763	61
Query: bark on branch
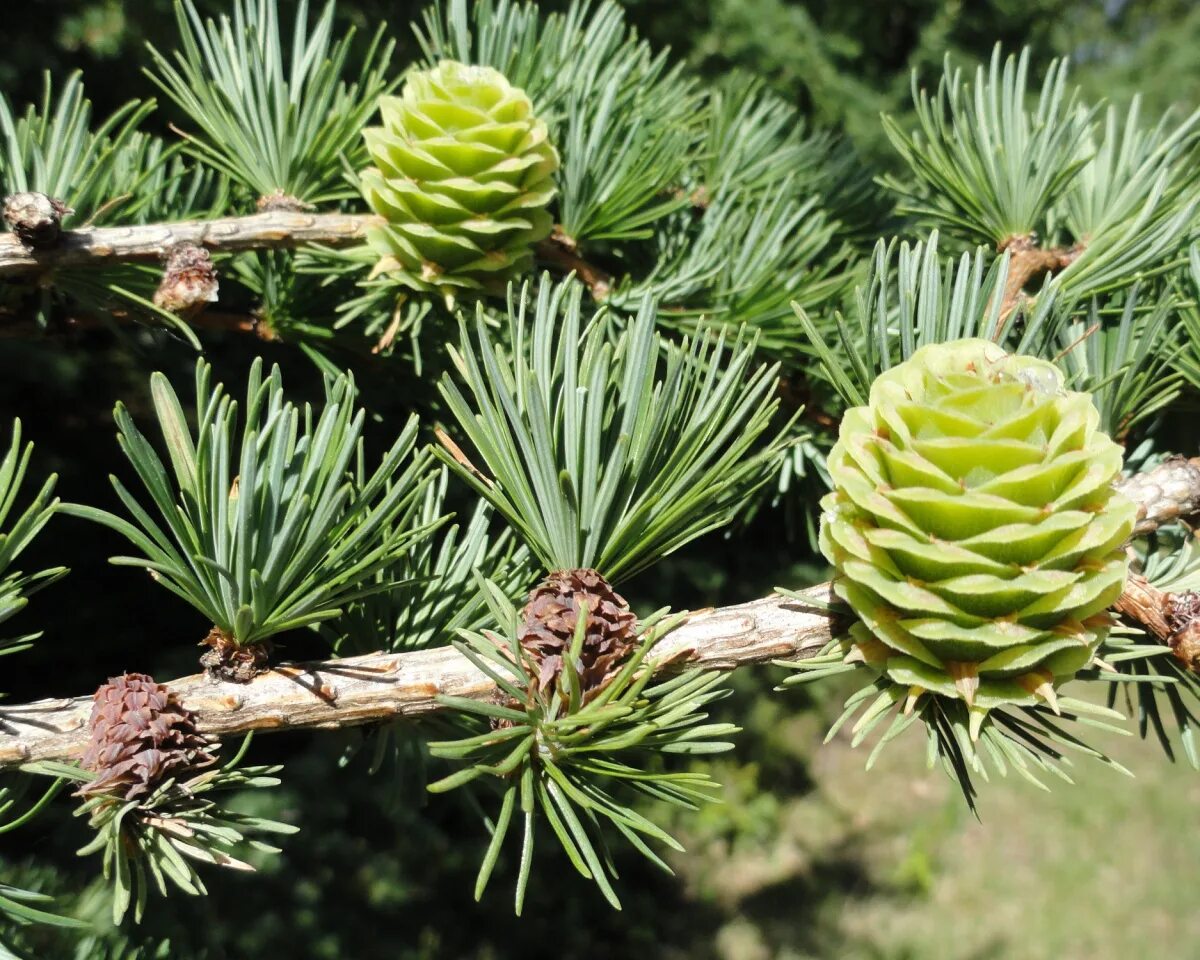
96	246
277	228
561	251
376	687
1171	618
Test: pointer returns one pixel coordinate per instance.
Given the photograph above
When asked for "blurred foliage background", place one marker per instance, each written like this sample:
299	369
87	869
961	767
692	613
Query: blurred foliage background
809	856
843	61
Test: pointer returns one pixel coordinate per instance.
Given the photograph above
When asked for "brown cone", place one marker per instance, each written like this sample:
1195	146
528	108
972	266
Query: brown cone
550	618
140	734
189	282
1184	619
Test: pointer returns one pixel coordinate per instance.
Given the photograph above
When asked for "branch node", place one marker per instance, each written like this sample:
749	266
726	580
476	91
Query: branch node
227	660
1026	261
279	200
35	218
561	250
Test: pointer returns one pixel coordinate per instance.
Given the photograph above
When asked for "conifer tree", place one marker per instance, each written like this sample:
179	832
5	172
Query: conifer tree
620	309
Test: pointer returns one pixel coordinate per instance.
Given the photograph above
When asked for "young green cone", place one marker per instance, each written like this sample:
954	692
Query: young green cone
974	527
463	175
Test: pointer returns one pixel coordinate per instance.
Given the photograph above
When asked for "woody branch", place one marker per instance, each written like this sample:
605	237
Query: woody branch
376	687
274	229
1028	260
97	246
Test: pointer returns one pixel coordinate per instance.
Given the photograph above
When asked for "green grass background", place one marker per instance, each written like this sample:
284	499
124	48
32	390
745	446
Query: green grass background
890	863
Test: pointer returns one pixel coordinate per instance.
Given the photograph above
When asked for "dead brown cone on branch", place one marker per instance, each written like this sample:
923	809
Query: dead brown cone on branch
140	735
551	617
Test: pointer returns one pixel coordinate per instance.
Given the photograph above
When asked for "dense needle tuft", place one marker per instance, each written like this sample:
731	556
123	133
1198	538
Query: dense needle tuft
463	175
974	527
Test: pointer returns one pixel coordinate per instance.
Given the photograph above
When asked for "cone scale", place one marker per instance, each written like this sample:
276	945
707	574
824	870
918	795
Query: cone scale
974	527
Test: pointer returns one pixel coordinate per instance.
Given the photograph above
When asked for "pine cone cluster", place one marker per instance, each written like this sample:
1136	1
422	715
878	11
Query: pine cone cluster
463	176
552	615
975	528
140	734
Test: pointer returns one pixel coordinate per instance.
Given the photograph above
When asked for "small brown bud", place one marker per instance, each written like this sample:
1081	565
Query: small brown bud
278	200
226	660
1186	646
35	218
189	280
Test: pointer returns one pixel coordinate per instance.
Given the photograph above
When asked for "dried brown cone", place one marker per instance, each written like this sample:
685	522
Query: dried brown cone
227	660
1184	620
140	735
35	218
552	614
189	281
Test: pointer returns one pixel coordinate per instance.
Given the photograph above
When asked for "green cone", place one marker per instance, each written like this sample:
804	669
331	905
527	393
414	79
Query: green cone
463	175
974	527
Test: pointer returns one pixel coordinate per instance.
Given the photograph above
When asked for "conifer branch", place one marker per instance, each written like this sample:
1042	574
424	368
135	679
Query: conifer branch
101	246
377	687
274	228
